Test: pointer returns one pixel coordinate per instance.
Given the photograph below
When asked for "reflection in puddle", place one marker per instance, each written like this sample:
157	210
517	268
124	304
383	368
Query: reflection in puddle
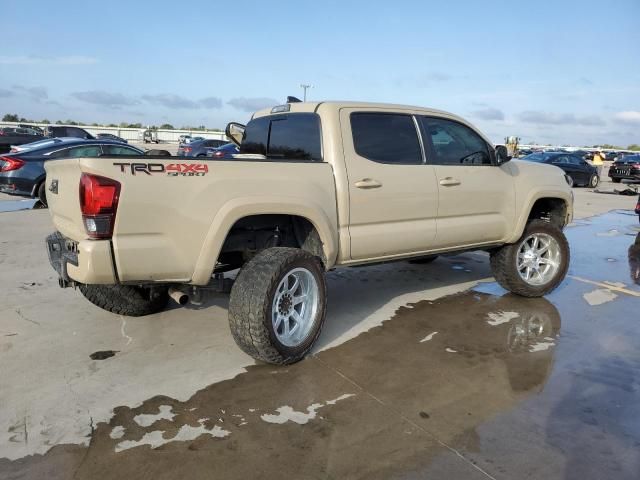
634	260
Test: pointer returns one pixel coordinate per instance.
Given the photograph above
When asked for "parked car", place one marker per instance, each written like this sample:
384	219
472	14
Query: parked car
13	136
626	167
61	131
198	148
22	173
110	136
37	129
227	150
577	169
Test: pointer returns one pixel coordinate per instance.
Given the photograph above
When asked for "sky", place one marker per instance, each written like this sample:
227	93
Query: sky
559	72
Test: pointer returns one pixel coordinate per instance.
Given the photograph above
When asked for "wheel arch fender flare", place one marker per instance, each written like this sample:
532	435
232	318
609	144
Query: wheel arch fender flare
241	207
529	203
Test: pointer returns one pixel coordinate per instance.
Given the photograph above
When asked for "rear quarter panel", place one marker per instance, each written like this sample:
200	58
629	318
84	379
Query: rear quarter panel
171	228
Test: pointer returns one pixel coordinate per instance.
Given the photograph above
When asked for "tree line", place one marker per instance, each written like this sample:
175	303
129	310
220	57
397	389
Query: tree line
13	117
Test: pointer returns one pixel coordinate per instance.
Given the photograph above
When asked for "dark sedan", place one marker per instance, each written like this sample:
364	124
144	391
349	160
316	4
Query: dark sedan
580	172
626	167
225	151
10	136
22	173
198	148
110	136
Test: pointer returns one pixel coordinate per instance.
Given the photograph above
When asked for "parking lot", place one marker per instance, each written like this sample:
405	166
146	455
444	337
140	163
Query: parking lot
422	371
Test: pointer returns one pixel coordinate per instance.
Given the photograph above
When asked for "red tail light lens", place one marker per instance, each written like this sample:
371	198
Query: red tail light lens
187	149
99	203
11	164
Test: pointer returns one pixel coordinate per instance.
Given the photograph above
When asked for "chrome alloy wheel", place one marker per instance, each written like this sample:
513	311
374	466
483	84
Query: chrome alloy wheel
295	307
539	259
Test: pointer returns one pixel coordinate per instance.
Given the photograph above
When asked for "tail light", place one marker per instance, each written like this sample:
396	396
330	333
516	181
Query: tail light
218	154
11	163
99	202
187	149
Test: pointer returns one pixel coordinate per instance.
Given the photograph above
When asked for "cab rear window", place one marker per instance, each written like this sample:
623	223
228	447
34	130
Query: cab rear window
292	136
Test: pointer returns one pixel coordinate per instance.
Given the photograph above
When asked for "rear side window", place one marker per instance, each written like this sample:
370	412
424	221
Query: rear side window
386	137
294	136
454	143
77	152
76	132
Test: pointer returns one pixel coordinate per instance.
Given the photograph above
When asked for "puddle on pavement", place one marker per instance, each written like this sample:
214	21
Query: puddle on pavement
17	205
404	391
503	381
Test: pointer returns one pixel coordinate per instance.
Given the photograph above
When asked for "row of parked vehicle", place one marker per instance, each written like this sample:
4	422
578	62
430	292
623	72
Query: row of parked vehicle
22	170
625	166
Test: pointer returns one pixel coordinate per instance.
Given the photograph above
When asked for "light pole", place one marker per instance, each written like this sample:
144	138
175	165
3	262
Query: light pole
305	87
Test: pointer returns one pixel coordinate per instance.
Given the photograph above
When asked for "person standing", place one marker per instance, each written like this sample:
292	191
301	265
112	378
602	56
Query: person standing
598	158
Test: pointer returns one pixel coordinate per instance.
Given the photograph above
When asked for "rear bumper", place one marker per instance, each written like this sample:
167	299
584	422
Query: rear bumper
16	186
628	174
87	261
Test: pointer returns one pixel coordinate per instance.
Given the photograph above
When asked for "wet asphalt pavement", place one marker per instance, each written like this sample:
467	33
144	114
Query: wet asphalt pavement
480	384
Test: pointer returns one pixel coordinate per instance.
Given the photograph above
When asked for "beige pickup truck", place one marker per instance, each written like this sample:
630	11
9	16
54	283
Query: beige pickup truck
317	185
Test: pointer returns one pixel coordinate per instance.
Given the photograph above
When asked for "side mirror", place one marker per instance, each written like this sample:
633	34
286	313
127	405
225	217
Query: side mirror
235	132
502	155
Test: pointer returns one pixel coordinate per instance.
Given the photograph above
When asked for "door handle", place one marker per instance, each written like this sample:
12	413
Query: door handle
368	183
450	182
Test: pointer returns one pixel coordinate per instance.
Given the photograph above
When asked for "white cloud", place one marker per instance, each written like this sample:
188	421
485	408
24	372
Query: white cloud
631	117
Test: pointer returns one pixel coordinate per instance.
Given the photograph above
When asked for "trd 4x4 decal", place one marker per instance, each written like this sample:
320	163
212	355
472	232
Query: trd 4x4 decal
172	170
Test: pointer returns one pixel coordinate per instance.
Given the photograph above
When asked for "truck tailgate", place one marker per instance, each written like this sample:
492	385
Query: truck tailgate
171	216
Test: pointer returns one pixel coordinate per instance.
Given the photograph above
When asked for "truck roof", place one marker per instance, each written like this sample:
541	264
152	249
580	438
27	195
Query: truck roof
313	107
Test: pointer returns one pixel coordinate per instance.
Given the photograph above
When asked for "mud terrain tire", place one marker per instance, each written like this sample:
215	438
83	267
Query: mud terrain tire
504	262
253	297
128	300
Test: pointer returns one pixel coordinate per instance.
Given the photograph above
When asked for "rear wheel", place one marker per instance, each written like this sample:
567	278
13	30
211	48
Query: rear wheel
534	265
129	300
278	304
42	193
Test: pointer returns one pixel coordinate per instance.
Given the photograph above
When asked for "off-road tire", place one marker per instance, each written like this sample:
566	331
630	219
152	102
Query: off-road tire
42	193
128	300
504	262
251	302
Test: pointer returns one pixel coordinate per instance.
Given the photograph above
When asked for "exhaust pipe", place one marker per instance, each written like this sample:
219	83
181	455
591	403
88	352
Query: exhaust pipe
178	296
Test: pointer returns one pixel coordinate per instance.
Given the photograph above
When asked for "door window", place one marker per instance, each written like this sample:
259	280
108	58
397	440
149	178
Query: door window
119	150
454	143
386	138
85	151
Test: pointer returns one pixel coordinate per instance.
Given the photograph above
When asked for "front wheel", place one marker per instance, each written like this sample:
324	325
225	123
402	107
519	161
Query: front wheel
278	304
594	181
534	265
